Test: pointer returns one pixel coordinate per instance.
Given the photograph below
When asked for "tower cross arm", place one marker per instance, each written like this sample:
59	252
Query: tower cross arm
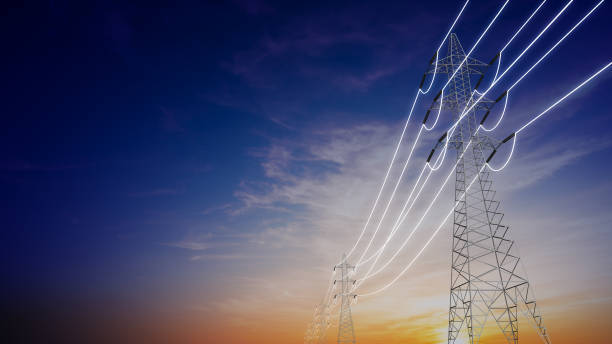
444	65
345	280
488	142
345	266
449	102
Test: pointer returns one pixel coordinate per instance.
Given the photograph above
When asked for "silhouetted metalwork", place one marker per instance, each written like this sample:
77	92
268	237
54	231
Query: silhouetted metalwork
485	281
346	332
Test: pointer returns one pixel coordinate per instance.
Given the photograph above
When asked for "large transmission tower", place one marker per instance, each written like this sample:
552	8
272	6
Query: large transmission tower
346	332
484	278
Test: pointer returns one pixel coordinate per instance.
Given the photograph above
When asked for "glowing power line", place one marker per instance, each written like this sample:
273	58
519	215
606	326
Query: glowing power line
420	130
425	246
564	97
443	155
368	275
402	137
552	106
467	110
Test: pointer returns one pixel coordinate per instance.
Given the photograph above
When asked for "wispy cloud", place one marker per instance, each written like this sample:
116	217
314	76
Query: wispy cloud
218	208
219	257
191	245
537	161
332	175
213	246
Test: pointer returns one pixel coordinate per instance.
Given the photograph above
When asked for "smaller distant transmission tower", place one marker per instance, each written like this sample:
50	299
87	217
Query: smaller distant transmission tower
346	332
321	321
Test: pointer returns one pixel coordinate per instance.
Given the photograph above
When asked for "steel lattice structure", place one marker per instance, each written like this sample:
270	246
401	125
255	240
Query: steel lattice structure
485	278
485	281
317	329
346	332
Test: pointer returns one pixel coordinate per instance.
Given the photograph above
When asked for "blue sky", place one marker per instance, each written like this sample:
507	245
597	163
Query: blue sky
166	155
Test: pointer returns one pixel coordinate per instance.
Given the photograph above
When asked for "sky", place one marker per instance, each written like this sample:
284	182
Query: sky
191	172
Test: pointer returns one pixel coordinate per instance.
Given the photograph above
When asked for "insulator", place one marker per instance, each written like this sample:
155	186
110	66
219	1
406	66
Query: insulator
442	137
495	58
501	96
479	81
491	156
508	138
483	74
437	96
503	141
426	116
433	58
431	154
484	118
422	80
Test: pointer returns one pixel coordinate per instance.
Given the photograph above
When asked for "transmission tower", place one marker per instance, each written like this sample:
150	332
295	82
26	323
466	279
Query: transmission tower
321	323
346	332
484	278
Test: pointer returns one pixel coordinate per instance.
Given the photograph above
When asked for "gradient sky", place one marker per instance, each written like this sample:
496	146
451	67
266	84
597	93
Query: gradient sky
189	173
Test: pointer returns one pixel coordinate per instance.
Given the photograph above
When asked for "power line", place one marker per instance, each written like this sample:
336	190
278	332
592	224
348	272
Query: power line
420	130
553	105
422	249
521	289
501	52
394	228
451	130
419	91
556	44
467	110
564	97
560	100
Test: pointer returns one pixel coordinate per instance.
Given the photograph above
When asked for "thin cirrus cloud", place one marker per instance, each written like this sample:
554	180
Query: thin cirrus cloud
191	245
541	160
340	171
318	186
219	257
